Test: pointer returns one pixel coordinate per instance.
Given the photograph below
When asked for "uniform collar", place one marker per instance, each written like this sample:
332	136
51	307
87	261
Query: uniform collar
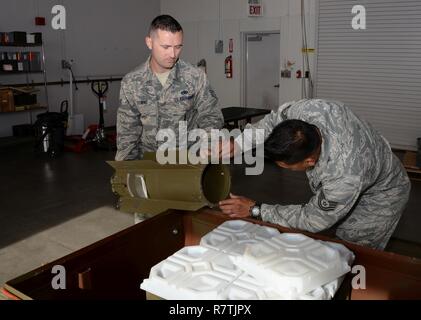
175	73
151	77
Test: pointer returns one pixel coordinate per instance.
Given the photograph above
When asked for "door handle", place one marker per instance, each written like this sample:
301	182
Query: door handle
276	85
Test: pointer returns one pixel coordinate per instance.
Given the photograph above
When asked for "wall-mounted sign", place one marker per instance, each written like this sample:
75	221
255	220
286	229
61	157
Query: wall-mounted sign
254	8
309	50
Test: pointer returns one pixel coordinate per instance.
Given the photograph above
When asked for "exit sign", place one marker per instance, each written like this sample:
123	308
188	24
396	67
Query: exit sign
255	10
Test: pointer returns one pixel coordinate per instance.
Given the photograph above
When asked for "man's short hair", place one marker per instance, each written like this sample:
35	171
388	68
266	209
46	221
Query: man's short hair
292	141
166	23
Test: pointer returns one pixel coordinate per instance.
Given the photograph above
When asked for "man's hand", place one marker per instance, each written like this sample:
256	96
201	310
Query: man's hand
225	149
236	206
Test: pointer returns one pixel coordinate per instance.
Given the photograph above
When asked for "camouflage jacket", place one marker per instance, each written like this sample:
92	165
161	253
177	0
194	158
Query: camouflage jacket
146	107
360	187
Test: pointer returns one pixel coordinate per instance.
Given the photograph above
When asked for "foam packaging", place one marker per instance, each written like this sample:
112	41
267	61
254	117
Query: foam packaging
241	260
292	263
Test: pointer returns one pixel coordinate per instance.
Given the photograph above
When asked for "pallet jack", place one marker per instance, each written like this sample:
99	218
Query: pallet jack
95	135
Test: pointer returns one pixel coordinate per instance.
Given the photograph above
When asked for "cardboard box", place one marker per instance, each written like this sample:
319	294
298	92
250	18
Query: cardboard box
19	37
30	38
25	99
6	100
37	37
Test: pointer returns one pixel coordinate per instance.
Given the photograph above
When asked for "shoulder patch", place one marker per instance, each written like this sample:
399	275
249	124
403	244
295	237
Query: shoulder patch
325	204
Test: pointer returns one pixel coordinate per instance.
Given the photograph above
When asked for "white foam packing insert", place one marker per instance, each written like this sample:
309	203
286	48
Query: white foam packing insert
292	263
234	262
234	236
197	272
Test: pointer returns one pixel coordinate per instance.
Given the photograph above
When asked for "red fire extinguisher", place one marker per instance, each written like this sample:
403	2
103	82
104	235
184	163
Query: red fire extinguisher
228	67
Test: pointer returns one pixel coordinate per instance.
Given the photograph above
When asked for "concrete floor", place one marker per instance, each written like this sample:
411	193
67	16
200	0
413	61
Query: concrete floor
51	207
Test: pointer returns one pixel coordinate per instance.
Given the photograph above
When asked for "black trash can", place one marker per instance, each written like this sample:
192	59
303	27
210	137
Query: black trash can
50	129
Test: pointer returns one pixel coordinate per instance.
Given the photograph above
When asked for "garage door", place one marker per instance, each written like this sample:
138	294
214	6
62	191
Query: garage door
376	71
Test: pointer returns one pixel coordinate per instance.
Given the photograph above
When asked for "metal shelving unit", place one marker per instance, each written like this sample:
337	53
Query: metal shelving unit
29	82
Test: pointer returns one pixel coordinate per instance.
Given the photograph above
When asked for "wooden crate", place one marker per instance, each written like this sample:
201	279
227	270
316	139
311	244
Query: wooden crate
6	100
114	267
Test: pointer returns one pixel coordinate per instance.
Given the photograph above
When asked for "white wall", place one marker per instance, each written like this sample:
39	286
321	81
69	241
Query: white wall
103	37
199	19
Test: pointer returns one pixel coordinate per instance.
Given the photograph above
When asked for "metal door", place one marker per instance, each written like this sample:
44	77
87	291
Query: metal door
261	77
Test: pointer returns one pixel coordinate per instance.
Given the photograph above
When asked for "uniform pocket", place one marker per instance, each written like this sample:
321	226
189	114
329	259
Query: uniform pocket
146	106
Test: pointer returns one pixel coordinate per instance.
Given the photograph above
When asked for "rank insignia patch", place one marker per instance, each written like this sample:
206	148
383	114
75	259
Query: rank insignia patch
325	204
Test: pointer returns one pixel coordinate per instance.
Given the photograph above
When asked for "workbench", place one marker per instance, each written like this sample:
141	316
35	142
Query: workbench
235	114
114	267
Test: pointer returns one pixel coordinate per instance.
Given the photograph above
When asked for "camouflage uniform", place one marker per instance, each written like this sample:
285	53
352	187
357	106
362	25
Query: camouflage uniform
146	107
360	187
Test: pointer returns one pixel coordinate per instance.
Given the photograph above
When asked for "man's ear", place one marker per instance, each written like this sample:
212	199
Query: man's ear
148	41
310	161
